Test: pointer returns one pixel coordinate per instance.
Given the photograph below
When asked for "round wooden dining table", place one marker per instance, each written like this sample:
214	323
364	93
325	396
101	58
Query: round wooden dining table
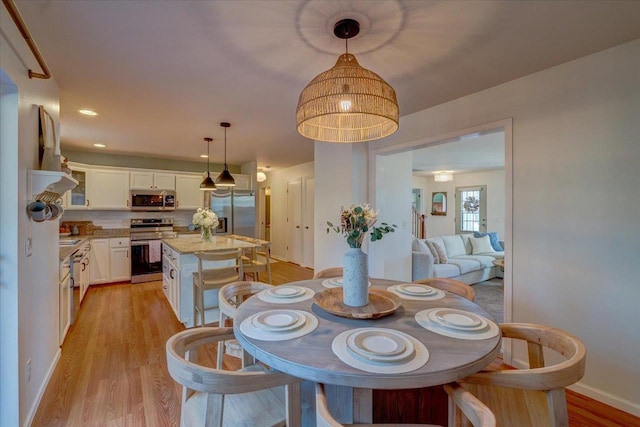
311	357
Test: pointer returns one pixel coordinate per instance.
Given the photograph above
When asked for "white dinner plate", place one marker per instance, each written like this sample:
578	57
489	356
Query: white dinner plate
278	320
415	290
286	292
380	346
458	319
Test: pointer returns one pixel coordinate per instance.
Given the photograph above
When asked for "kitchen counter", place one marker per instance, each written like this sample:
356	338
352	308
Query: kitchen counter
65	251
190	245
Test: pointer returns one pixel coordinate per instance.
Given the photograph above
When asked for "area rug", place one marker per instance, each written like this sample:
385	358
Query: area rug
490	296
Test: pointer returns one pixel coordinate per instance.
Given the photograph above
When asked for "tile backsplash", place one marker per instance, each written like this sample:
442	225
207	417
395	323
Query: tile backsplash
121	219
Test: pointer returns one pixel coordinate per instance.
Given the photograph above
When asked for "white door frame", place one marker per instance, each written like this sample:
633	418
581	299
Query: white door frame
506	125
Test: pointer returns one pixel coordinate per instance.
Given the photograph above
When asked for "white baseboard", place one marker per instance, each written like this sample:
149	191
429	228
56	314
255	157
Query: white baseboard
602	396
43	387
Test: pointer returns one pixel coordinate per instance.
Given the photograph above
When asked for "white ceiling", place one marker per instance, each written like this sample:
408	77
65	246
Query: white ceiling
163	74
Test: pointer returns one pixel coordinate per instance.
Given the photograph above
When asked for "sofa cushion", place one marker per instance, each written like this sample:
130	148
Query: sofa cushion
438	244
446	270
467	244
419	246
481	245
493	237
434	252
466	265
454	245
486	261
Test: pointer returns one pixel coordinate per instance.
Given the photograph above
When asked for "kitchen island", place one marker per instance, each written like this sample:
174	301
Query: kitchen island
178	265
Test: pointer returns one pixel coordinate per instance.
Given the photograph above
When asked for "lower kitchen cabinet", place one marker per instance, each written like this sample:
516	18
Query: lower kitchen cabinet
119	260
65	300
111	260
100	254
170	279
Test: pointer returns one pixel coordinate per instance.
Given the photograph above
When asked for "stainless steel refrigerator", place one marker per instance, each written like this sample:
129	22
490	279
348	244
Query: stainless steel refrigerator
236	210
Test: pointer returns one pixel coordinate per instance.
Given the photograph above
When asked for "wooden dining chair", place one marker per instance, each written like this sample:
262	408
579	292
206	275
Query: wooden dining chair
451	285
534	396
229	298
254	264
461	401
228	269
252	396
328	272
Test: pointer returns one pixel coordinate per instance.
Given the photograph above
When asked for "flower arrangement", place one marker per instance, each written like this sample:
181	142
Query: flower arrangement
207	220
356	221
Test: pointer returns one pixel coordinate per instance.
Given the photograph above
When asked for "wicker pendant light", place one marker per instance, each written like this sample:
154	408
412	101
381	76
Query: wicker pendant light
207	184
347	103
225	179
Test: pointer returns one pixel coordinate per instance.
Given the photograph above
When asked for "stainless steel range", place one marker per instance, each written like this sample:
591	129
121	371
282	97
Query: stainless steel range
146	247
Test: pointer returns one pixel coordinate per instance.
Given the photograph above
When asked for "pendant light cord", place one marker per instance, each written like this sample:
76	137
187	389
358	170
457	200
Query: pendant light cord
225	148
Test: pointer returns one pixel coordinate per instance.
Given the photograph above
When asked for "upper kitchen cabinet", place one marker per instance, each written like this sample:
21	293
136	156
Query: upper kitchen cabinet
109	189
78	197
243	182
188	193
142	180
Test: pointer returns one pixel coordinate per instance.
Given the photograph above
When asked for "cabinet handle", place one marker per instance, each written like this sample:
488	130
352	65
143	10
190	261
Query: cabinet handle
297	226
127	253
127	203
306	228
87	202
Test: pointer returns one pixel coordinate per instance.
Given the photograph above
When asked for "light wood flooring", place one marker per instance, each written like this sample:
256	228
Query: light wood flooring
113	372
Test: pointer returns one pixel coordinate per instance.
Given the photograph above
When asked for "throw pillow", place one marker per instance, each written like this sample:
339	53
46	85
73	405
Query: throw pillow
454	245
493	238
434	252
442	253
481	245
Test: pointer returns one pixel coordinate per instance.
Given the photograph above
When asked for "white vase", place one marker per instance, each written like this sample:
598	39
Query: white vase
355	284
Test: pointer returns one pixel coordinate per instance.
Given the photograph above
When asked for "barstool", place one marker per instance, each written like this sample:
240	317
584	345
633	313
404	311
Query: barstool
214	277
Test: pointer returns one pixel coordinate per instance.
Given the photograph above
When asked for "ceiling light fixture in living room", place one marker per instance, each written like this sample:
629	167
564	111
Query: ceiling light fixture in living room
443	176
347	103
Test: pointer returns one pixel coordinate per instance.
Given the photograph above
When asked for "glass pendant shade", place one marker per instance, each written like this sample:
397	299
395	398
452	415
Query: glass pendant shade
225	179
261	176
207	184
347	104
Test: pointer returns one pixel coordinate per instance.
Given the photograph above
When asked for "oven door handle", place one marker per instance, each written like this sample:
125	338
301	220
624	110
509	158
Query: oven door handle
140	243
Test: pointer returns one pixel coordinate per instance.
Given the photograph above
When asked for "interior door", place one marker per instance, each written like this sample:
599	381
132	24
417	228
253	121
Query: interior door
294	222
308	222
471	209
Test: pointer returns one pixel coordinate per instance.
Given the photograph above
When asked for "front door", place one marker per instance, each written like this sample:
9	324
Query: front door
471	209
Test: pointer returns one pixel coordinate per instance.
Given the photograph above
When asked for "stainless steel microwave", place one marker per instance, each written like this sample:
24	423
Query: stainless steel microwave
152	200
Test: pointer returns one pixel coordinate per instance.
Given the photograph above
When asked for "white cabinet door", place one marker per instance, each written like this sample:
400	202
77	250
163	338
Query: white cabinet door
243	182
99	261
85	274
120	264
164	181
65	302
188	193
141	180
78	197
109	189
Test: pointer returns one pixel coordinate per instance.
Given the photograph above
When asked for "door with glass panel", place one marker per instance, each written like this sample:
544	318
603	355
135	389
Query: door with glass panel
471	209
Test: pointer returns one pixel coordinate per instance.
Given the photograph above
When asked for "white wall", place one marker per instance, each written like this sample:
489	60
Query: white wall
35	292
340	181
576	147
277	180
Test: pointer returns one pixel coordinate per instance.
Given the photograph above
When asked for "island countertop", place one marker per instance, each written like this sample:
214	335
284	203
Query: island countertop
189	245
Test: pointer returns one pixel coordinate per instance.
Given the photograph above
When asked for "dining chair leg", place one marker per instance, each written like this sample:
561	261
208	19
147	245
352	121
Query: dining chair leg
220	344
293	406
557	402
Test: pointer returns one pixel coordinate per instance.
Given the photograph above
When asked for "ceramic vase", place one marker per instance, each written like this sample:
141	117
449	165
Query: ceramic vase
206	234
355	284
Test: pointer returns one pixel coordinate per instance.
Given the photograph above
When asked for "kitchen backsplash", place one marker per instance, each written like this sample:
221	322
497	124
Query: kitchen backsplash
122	219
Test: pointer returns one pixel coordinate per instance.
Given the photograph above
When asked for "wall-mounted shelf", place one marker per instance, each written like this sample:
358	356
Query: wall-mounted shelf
48	185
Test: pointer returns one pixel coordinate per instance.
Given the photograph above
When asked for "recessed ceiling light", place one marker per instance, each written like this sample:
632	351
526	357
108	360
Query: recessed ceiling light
99	145
88	112
204	156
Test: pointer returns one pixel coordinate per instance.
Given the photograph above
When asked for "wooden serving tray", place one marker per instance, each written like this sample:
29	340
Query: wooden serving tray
381	303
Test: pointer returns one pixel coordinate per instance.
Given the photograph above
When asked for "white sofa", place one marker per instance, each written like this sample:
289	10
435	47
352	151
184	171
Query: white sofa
467	260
